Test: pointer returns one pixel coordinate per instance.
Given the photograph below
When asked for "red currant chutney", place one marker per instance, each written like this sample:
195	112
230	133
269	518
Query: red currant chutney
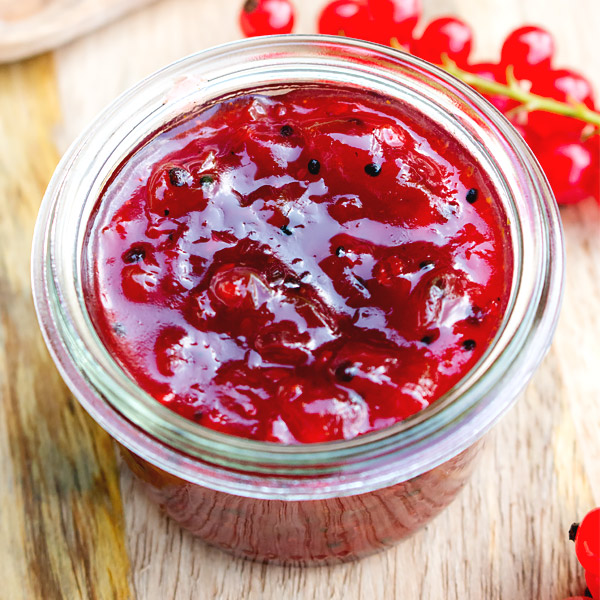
298	265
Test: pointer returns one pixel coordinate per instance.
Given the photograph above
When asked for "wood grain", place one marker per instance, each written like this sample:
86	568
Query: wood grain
505	536
61	519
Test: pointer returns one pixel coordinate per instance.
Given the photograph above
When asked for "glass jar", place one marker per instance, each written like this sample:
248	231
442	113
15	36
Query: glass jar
314	503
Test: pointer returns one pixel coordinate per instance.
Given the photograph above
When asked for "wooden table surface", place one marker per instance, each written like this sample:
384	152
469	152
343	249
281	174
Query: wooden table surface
74	525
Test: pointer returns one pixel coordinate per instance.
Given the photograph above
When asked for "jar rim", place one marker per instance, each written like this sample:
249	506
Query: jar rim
221	461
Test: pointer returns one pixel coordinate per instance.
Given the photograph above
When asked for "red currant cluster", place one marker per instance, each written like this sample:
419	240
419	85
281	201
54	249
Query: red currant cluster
553	109
586	536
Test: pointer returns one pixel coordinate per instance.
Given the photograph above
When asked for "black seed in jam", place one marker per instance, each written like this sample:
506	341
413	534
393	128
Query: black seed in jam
166	212
314	166
286	230
372	169
472	195
573	531
178	176
469	344
119	329
425	264
340	251
427	339
206	179
134	255
286	131
346	371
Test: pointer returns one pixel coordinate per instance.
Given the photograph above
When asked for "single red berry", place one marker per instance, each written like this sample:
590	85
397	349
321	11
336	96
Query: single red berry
235	287
266	17
140	281
388	269
529	50
170	350
587	542
567	163
393	19
445	36
344	17
593	583
566	86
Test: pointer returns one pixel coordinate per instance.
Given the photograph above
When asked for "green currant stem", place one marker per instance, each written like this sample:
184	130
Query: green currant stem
528	100
514	91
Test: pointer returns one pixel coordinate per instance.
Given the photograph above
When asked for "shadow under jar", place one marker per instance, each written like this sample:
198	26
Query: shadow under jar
312	503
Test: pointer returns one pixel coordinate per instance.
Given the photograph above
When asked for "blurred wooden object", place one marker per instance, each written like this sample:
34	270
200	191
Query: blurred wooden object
67	532
28	27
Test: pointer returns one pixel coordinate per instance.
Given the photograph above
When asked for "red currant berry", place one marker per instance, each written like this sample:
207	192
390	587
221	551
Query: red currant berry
529	50
266	17
170	350
593	583
587	542
236	287
140	281
318	412
534	141
388	269
393	19
566	163
566	86
445	36
344	17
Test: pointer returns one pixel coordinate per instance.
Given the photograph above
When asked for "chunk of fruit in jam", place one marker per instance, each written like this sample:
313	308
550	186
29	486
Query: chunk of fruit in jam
299	266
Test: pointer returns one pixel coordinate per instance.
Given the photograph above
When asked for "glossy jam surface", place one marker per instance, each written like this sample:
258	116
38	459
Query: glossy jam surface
298	266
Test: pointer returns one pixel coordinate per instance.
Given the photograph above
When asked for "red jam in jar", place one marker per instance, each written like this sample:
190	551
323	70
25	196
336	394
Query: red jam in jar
298	265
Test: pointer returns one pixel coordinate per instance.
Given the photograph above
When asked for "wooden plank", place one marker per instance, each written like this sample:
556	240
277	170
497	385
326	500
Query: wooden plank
61	518
579	331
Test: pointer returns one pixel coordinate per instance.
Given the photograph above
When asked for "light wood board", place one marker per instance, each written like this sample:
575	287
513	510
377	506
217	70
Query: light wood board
74	525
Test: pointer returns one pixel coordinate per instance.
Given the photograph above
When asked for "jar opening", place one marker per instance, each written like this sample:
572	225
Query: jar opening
440	431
